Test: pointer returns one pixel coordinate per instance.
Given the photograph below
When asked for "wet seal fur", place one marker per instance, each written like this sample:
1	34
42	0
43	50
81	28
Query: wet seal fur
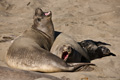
68	49
15	74
30	51
96	49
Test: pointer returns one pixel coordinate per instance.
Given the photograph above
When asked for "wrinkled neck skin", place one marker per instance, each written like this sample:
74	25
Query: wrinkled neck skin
46	27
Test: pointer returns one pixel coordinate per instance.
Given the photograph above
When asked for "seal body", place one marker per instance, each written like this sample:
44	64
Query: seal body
95	49
15	74
68	49
30	51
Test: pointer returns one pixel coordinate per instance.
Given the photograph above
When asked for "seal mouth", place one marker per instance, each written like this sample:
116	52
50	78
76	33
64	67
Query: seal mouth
47	13
65	55
67	50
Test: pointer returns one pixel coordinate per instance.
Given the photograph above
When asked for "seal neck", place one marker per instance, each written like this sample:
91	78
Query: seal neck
46	28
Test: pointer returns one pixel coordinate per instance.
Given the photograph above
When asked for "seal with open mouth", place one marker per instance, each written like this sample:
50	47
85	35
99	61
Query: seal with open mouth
68	49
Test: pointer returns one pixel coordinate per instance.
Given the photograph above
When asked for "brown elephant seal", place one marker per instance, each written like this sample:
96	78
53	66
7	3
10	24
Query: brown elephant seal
95	49
30	51
68	49
15	74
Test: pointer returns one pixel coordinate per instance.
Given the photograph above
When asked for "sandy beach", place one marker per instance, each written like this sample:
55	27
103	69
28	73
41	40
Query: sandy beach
97	20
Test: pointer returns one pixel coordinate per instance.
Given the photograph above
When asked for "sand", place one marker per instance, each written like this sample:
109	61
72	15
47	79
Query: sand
97	20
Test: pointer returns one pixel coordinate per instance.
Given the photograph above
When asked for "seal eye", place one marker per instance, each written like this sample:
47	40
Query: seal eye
39	19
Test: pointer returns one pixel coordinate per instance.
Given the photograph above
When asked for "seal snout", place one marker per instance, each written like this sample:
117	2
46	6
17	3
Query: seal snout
39	12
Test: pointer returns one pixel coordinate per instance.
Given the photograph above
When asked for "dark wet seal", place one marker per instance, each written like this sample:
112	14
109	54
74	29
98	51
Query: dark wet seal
96	49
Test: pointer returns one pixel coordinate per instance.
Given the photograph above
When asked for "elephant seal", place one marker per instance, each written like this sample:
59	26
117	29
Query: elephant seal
95	49
30	51
68	49
15	74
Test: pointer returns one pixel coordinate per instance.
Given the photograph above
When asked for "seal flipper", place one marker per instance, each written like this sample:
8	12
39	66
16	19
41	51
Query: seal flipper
82	66
88	42
101	43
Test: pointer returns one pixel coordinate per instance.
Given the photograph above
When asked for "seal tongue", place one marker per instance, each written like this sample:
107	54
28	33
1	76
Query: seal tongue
47	13
66	57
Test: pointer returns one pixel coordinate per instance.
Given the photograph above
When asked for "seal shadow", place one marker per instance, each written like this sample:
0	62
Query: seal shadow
57	33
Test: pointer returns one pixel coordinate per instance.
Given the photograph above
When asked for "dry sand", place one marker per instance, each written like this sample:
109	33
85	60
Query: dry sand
97	20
